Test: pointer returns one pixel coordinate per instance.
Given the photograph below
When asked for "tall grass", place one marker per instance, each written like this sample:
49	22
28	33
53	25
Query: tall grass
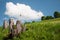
44	30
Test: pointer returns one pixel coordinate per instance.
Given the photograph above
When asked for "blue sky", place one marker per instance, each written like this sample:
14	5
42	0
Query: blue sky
48	7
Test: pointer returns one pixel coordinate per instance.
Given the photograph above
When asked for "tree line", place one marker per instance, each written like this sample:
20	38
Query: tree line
55	15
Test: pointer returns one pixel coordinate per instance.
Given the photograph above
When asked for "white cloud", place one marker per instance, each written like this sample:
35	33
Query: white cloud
22	12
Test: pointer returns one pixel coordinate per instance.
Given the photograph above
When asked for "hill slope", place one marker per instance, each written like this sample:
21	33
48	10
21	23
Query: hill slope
44	30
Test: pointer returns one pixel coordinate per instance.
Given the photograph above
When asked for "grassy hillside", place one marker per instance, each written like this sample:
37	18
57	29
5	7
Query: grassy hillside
42	30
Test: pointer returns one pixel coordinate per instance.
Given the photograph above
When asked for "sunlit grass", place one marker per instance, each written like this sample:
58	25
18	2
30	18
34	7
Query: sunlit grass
44	30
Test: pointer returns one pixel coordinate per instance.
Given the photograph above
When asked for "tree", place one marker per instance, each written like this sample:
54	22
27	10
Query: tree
49	17
33	21
56	14
43	18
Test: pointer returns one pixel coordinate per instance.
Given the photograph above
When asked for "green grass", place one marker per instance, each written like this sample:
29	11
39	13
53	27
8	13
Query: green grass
3	33
42	30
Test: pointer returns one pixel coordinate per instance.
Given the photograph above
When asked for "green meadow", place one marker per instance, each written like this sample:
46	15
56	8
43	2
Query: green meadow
41	30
